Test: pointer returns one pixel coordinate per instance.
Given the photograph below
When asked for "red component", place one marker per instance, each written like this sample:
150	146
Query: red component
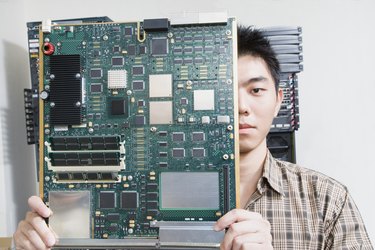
48	49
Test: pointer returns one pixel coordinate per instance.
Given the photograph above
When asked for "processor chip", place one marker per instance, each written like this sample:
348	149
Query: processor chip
204	99
161	112
160	85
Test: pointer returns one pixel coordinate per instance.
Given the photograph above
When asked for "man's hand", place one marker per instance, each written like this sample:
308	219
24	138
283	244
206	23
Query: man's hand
33	232
246	230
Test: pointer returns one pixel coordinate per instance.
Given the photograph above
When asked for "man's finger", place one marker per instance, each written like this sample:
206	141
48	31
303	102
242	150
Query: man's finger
40	226
235	215
37	205
32	236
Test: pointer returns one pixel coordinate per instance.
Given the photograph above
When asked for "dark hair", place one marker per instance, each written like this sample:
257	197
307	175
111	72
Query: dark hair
251	41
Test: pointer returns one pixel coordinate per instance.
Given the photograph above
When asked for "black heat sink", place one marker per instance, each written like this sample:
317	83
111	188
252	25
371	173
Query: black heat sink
65	90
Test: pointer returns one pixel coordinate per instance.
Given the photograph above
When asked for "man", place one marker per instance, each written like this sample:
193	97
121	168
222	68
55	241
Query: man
284	206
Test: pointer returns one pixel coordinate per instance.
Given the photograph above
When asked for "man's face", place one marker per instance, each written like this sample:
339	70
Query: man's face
257	101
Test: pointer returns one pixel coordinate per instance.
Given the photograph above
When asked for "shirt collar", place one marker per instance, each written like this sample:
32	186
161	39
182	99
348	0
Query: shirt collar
271	174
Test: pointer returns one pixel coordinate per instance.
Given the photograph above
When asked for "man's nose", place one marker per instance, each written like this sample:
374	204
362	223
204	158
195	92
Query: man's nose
243	103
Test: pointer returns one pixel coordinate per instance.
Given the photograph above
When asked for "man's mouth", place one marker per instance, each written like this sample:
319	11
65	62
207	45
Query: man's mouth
245	126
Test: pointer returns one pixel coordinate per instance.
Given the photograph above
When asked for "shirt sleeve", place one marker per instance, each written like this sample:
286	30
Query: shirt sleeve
347	230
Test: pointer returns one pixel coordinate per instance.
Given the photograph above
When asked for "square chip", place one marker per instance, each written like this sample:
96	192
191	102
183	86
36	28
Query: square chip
178	136
204	99
140	120
128	31
96	88
198	152
138	85
178	152
161	112
96	73
107	199
189	190
117	79
131	50
117	61
159	46
119	107
198	136
129	200
160	85
138	70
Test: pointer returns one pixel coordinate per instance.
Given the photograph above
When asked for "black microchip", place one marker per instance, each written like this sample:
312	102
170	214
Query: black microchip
178	152
183	101
96	73
163	165
131	50
178	137
188	60
163	144
71	140
129	200
159	46
152	212
128	31
152	205
116	29
152	196
117	61
188	50
107	176
96	88
142	50
163	133
198	49
198	136
77	176
113	217
116	49
138	85
118	107
198	152
107	200
113	228
163	154
97	162
71	156
138	70
198	60
177	60
140	120
63	176
152	186
177	50
141	103
92	176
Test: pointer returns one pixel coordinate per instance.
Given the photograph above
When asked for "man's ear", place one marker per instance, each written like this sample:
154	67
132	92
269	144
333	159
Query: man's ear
279	100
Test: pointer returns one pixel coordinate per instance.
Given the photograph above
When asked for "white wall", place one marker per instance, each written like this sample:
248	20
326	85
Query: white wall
337	87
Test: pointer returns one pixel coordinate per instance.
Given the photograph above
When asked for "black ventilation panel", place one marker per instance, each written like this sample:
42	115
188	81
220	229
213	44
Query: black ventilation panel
65	90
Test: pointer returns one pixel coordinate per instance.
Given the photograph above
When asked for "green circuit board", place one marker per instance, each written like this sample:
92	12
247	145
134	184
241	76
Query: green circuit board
139	120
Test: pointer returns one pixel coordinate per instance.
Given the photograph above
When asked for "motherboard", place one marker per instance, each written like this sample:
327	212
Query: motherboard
136	128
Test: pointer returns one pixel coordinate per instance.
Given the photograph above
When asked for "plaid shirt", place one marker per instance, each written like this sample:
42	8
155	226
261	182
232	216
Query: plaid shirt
306	209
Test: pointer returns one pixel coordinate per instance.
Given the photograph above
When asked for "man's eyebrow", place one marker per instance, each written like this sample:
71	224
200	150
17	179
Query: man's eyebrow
256	79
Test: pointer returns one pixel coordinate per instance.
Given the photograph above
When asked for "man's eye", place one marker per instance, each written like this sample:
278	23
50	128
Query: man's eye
256	91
